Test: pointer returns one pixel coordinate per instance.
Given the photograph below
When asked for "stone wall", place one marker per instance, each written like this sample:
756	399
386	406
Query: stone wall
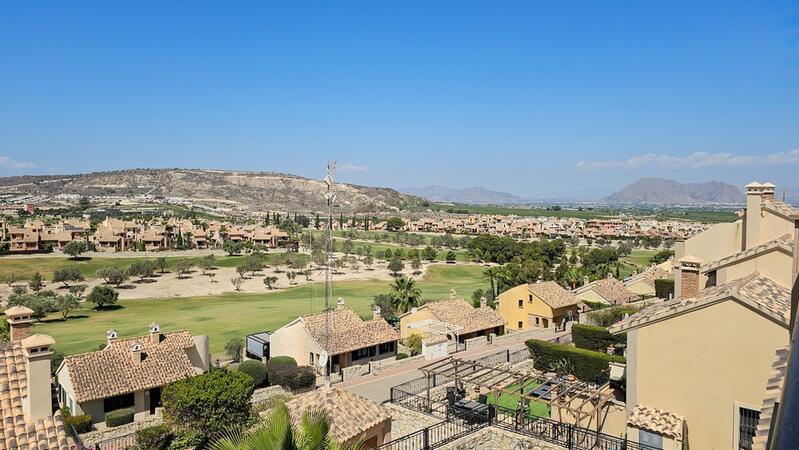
351	372
404	421
476	342
392	363
491	438
542	334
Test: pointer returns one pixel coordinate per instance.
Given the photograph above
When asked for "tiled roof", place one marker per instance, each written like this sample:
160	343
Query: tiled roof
349	331
470	319
611	289
754	290
784	242
781	208
657	420
350	415
773	393
649	276
552	294
112	371
16	431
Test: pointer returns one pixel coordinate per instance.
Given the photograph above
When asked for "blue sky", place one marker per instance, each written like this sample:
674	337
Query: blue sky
539	99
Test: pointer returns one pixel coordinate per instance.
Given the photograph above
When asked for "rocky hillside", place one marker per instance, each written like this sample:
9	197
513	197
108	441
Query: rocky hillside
660	191
474	195
256	190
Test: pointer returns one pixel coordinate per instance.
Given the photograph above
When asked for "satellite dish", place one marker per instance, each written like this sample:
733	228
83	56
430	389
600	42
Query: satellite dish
323	359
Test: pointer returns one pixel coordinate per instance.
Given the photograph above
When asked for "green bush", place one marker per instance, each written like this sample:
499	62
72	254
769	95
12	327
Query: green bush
209	404
588	365
119	417
401	356
595	338
156	437
281	370
188	439
256	370
664	288
82	423
304	377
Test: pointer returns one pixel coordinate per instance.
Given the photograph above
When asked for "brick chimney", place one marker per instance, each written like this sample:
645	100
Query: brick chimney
483	301
375	312
39	403
155	333
137	352
20	319
111	336
754	202
689	276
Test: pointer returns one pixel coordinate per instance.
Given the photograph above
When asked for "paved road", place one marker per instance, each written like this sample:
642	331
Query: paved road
378	387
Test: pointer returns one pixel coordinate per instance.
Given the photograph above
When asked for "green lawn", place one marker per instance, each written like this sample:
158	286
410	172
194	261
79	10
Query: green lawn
640	257
224	316
25	267
511	401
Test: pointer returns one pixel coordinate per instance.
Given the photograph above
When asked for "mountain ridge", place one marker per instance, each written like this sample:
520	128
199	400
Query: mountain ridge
662	191
476	195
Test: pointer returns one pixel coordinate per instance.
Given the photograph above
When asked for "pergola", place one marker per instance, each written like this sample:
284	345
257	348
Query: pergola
564	392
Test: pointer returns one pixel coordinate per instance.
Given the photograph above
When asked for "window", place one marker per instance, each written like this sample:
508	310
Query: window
747	426
537	321
521	325
650	439
521	303
118	402
531	299
388	347
310	358
362	353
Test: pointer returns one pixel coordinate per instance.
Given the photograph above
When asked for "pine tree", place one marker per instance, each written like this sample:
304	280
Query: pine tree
267	218
316	221
353	222
341	220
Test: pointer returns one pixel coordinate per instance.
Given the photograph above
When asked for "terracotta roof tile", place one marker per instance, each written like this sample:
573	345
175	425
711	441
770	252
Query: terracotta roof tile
611	289
657	420
349	331
350	415
460	313
552	294
774	387
112	371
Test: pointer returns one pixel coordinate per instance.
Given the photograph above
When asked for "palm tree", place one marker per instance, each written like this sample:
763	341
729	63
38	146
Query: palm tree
573	276
404	294
278	432
491	273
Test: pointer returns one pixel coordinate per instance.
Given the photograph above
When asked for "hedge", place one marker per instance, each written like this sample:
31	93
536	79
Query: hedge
119	417
281	370
591	337
156	437
304	377
256	370
82	423
664	288
588	365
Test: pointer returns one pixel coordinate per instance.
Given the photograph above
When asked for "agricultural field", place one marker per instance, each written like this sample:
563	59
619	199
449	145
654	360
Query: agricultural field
227	315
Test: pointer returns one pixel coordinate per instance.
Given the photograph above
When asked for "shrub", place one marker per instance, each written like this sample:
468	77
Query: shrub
103	296
234	348
401	356
414	343
119	417
304	377
588	365
256	370
209	404
67	275
591	337
184	439
81	423
664	288
608	316
281	370
156	437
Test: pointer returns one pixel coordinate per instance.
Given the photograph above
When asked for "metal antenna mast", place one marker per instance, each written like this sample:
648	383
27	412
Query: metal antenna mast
330	196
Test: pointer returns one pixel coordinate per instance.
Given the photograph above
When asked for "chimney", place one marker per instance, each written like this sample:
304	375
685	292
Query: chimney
768	191
111	336
452	294
586	280
137	352
483	301
20	319
155	333
340	303
689	276
38	404
754	202
375	312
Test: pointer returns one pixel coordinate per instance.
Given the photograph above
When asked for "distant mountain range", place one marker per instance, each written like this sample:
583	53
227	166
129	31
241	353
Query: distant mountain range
660	191
474	195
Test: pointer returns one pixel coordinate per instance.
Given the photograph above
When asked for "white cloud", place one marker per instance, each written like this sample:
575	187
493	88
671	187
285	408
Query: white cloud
347	167
8	163
694	160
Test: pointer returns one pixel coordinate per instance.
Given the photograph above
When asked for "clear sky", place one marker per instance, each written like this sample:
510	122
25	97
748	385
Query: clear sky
534	98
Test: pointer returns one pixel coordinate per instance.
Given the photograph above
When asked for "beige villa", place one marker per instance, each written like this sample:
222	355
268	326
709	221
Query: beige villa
643	283
608	291
129	373
537	305
354	341
453	318
353	418
705	363
27	419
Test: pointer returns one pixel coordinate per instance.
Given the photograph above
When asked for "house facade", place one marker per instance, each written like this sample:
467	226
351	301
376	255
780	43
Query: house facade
129	373
453	319
607	291
537	305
